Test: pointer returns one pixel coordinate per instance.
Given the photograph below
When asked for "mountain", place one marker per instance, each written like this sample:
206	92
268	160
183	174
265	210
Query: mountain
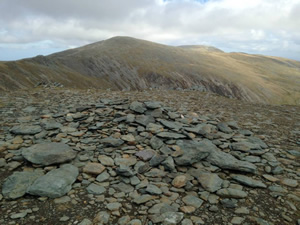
124	63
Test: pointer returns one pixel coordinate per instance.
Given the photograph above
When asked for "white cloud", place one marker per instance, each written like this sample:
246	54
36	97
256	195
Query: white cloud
262	26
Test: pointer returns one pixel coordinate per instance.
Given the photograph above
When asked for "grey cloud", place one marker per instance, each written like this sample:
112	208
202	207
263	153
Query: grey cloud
88	9
247	25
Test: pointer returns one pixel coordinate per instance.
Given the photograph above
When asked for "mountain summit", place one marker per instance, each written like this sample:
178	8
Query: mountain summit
125	63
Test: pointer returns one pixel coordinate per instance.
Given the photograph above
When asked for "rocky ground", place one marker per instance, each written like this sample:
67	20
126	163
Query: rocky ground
168	157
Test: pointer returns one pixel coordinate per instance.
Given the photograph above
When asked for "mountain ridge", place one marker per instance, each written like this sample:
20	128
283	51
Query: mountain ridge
125	63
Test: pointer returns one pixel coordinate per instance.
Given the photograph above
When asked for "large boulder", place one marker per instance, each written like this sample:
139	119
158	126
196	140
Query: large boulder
55	183
15	186
49	153
193	151
227	161
26	129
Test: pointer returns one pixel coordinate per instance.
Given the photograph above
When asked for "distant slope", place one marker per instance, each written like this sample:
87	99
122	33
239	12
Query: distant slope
201	48
128	63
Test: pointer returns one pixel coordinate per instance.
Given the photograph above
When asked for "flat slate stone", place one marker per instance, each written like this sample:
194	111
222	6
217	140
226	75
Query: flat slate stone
209	181
192	201
289	182
143	199
157	160
18	215
25	129
137	107
106	161
224	128
258	141
153	190
153	104
244	146
154	128
171	125
125	171
122	187
113	206
269	157
170	135
277	188
161	207
145	155
95	189
229	203
144	120
231	193
135	222
294	153
193	151
96	126
128	138
2	162
112	142
172	218
55	183
49	153
125	161
86	222
93	168
165	150
227	161
179	181
15	186
103	177
157	113
67	129
51	125
169	164
156	143
248	181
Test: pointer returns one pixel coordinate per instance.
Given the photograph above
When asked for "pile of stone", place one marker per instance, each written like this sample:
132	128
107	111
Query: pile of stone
143	161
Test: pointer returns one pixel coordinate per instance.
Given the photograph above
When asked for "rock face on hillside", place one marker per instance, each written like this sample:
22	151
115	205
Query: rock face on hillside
142	162
124	63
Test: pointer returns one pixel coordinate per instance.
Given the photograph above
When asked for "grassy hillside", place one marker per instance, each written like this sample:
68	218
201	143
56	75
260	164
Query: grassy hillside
128	63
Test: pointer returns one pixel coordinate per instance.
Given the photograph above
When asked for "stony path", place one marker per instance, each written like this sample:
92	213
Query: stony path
168	157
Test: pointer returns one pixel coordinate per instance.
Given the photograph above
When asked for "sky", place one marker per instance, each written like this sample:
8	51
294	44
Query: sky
40	27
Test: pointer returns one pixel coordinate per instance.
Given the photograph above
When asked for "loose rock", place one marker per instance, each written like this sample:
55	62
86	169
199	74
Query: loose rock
49	153
248	181
210	181
55	183
15	186
231	193
24	130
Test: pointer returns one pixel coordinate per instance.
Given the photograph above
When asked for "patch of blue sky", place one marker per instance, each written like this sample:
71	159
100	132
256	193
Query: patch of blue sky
20	50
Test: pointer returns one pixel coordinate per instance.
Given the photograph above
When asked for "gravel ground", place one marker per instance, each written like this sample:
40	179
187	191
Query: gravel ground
277	126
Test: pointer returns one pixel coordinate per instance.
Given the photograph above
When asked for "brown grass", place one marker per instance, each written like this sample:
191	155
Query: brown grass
266	79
